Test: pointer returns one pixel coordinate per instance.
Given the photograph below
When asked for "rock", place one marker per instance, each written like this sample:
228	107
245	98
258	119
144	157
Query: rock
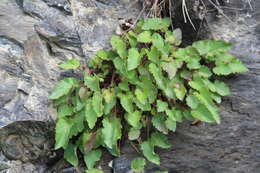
27	141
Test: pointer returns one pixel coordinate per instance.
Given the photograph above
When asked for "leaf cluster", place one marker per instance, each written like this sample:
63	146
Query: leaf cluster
145	83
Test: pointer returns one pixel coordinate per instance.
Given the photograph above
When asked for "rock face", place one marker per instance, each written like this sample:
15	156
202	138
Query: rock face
37	35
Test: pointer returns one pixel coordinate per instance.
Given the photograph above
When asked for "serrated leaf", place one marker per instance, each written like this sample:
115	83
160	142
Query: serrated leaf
157	74
62	132
180	91
158	122
133	134
63	88
102	54
193	62
205	99
70	154
204	71
92	157
221	88
207	46
203	114
158	41
172	67
119	65
138	164
222	70
64	110
94	171
156	24
92	82
237	66
111	131
141	96
70	64
192	101
148	151
153	55
123	86
161	106
97	103
144	37
78	124
170	114
133	59
170	124
160	140
90	115
127	102
143	107
119	45
134	118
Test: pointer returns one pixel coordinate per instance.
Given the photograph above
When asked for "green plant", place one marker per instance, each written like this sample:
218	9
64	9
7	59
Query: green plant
146	83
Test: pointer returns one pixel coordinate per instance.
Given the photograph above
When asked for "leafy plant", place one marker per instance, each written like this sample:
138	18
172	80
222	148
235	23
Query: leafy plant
146	83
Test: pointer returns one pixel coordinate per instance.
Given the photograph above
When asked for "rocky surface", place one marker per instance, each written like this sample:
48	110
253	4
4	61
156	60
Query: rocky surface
37	35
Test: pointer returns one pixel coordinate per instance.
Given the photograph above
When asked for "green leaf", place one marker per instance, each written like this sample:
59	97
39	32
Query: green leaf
126	102
63	88
203	114
119	65
156	24
157	74
119	45
138	164
102	54
192	101
145	37
134	118
161	106
111	131
222	70
143	107
70	64
90	115
170	114
207	46
172	67
154	55
193	62
158	122
62	132
133	59
160	140
133	134
221	88
123	86
97	103
141	96
180	91
92	157
237	66
78	124
64	110
94	171
204	71
205	99
148	151
158	41
92	82
170	124
70	154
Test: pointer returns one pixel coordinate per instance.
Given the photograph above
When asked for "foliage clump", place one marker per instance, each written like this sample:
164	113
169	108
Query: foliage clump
139	90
